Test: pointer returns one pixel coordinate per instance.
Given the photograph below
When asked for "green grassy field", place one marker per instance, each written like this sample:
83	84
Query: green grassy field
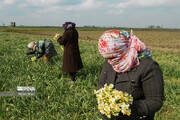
56	98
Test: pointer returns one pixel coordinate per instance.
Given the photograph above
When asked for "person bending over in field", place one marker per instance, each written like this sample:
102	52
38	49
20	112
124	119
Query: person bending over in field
71	58
43	48
130	68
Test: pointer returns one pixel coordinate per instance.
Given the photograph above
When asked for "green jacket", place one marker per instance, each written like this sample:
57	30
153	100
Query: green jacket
47	46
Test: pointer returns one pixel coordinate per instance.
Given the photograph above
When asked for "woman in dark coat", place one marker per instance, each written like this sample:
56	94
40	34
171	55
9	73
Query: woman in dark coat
130	67
71	58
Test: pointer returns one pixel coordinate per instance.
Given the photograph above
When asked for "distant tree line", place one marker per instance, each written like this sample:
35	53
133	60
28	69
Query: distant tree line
154	27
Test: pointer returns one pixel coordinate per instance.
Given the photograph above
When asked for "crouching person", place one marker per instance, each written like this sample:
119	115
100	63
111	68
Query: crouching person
43	48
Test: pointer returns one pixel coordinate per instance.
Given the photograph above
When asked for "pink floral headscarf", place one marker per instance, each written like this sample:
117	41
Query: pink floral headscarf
122	49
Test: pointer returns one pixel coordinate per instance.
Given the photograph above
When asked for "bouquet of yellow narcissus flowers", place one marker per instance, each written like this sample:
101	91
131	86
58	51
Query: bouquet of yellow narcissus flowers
111	101
56	37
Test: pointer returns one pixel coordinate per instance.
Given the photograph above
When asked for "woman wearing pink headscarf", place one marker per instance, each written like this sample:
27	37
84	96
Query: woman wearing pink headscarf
130	67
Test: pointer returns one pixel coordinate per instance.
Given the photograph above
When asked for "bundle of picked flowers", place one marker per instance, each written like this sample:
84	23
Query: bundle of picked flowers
111	101
57	36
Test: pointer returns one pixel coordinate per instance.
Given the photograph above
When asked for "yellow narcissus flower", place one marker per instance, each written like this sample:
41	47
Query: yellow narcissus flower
105	91
95	92
103	106
111	86
102	111
125	106
116	114
112	101
126	94
117	97
118	105
127	113
122	98
121	93
110	97
99	97
107	108
118	109
109	116
107	96
114	91
112	105
108	111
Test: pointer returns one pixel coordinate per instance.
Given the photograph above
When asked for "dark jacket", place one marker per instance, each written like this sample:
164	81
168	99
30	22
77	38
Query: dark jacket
71	58
144	82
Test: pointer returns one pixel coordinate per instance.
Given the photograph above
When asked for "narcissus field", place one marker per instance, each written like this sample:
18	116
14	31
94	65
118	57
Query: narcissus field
56	97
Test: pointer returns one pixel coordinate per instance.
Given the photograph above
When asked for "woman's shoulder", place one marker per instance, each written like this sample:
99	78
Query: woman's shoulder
146	60
148	63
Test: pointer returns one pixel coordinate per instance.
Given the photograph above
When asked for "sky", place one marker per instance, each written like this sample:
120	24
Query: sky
104	13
